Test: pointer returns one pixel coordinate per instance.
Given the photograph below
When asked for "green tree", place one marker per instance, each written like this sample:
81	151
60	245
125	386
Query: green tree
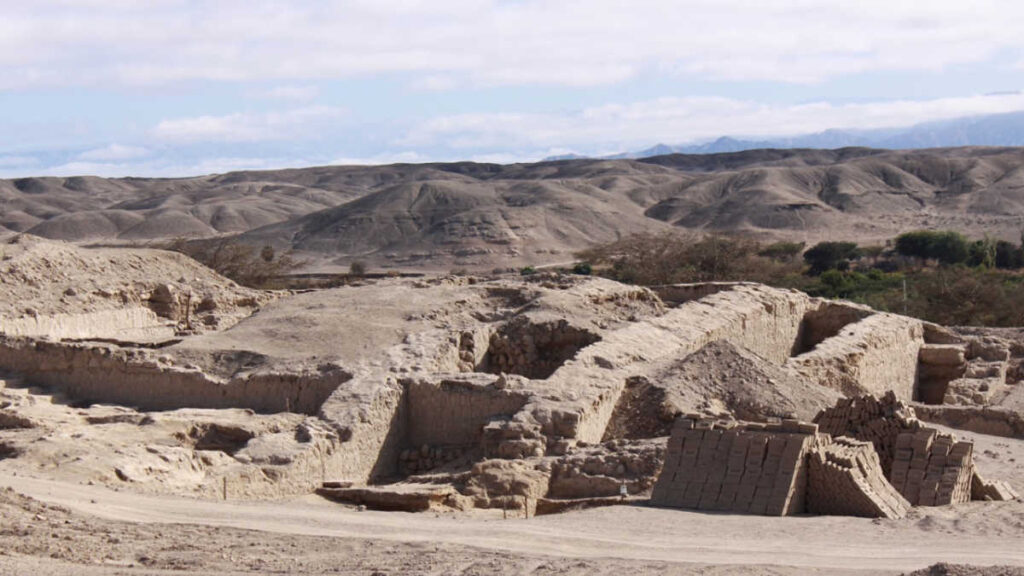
947	247
831	256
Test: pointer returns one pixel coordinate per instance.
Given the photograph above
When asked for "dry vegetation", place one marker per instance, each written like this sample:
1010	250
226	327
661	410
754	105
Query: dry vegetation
240	262
937	276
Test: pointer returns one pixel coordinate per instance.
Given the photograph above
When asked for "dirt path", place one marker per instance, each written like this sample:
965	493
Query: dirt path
980	534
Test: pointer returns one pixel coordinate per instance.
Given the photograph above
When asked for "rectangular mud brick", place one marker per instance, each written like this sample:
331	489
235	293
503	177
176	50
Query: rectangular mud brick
691	498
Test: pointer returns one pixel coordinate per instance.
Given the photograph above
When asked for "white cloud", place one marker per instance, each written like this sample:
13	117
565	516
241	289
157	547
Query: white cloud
60	42
298	123
678	120
293	93
114	152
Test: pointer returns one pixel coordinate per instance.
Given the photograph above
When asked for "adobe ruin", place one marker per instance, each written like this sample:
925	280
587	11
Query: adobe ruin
543	392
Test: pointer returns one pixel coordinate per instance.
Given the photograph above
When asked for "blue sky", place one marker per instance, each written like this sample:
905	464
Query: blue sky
176	87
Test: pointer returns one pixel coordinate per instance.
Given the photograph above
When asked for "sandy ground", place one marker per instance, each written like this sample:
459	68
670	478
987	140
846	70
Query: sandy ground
308	535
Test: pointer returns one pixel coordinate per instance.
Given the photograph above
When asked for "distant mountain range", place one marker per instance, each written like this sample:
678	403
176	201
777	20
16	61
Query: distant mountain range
990	130
483	216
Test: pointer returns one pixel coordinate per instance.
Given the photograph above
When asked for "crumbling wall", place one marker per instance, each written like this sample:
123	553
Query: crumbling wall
534	350
604	470
450	411
114	324
368	413
754	469
872	356
765	321
983	420
676	294
142	379
845	478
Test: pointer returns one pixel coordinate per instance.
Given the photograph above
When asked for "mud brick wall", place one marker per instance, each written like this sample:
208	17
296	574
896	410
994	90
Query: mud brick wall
454	413
932	469
753	469
140	378
872	356
846	478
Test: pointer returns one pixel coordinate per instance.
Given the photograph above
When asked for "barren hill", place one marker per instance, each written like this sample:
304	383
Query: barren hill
486	215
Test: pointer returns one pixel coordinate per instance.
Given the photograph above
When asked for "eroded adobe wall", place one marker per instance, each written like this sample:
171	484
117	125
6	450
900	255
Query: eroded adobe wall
676	294
369	415
453	412
765	321
871	356
112	324
144	380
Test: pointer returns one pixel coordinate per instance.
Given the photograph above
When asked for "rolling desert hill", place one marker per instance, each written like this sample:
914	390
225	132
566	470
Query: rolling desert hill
437	216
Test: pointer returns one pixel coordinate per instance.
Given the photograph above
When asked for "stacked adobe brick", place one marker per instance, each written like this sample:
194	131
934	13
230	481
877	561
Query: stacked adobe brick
870	419
845	478
753	468
932	469
927	467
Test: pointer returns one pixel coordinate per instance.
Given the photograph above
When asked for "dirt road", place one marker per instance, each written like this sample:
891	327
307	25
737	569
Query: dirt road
981	534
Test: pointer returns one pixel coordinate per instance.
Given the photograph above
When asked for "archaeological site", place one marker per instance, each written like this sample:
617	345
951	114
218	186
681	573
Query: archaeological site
143	372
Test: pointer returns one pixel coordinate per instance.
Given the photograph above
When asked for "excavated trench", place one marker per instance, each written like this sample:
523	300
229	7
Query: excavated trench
534	350
827	321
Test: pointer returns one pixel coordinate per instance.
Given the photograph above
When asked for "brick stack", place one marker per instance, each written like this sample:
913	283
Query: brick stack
753	469
997	490
845	478
866	418
932	469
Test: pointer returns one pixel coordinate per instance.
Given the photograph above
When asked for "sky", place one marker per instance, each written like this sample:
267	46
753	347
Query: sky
179	87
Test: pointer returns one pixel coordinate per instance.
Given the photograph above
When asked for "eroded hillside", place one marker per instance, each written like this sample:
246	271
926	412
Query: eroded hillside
439	216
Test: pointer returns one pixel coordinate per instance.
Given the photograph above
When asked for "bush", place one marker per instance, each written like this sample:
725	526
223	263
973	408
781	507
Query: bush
357	268
582	268
527	271
826	256
782	251
672	257
1008	256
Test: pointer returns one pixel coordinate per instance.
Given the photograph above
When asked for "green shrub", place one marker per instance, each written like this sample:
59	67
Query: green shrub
582	268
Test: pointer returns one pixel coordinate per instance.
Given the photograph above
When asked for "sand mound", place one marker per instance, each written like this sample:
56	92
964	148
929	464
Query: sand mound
717	379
